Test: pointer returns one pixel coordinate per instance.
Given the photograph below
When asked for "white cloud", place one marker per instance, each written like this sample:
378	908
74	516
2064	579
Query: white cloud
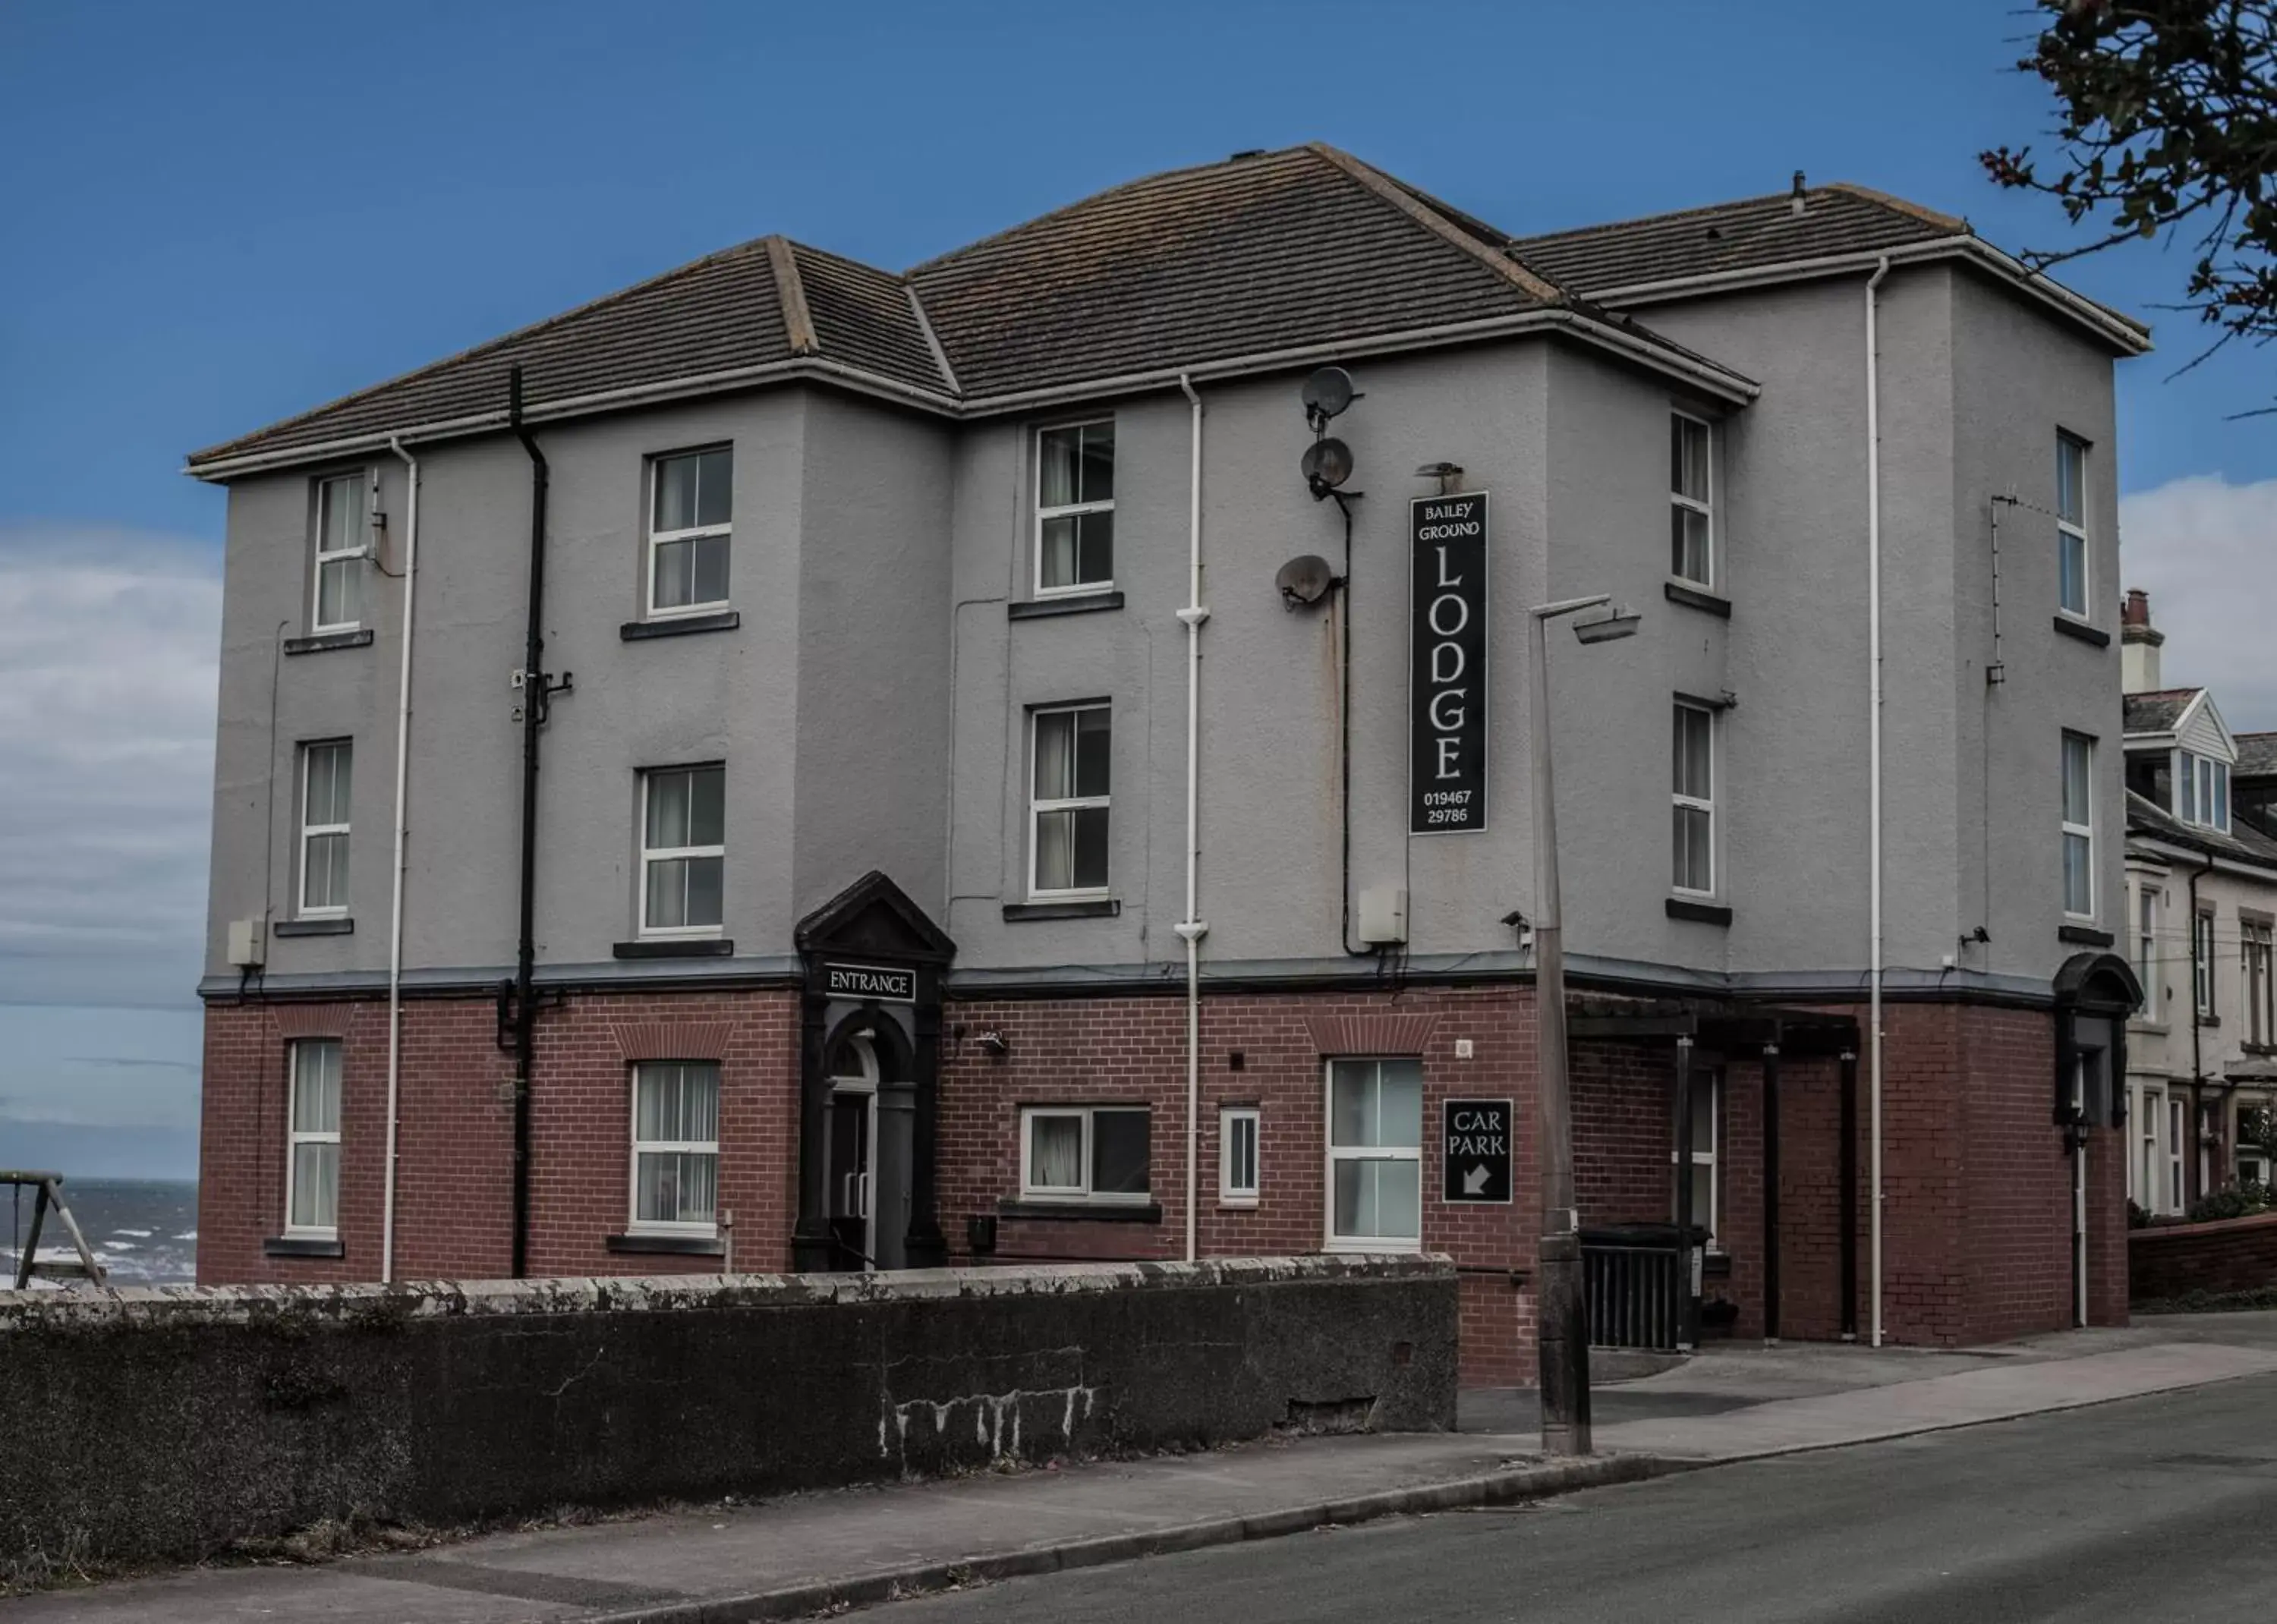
107	667
2206	551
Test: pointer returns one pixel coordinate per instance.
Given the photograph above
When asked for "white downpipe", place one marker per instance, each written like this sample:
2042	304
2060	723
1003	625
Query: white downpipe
1191	930
1874	738
395	900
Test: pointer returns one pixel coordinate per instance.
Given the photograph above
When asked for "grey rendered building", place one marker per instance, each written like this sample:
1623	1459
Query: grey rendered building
934	835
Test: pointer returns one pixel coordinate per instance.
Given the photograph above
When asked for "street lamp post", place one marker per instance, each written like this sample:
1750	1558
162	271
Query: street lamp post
1560	1328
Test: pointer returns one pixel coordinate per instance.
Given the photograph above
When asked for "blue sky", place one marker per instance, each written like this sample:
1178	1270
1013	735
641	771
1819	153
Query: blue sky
217	215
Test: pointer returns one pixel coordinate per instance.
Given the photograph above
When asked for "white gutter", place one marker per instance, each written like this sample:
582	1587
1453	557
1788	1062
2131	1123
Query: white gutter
1191	930
2131	337
1717	381
1874	748
395	901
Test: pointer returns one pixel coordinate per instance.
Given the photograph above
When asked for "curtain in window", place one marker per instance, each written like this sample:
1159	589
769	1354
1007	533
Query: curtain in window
675	1105
1377	1106
1055	1153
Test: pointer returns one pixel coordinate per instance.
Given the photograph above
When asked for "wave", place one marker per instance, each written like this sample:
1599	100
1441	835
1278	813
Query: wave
139	1234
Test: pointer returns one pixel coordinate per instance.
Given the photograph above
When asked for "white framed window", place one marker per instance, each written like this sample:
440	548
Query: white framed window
1692	500
2071	526
1694	781
2079	825
2202	790
1075	508
2146	950
1067	801
343	543
684	849
312	1155
1706	1120
691	508
326	775
2177	1117
2143	1167
2202	977
1238	1132
675	1173
1376	1155
2260	939
1085	1153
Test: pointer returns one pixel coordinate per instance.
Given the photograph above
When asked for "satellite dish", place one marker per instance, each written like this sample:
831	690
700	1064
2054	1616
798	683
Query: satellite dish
1327	392
1327	464
1303	581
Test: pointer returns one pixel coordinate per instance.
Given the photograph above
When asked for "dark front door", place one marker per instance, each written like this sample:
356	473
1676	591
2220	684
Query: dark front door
851	1244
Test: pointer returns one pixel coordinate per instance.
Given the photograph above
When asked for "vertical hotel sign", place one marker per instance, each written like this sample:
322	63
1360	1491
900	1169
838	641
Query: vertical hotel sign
1447	664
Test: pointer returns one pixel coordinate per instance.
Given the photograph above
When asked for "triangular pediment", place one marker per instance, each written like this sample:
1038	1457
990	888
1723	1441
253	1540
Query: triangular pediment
874	918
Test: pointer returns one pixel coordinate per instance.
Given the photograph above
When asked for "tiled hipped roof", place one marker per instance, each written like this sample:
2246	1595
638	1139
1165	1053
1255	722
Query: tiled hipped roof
1822	223
1259	256
1272	253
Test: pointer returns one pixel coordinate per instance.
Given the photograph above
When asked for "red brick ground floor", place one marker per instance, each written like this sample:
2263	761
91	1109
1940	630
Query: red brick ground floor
1978	1174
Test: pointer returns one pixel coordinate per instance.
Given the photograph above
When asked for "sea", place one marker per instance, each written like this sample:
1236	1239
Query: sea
145	1231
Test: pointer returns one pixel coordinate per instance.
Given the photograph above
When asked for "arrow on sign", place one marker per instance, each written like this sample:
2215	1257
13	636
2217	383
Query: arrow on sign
1474	1182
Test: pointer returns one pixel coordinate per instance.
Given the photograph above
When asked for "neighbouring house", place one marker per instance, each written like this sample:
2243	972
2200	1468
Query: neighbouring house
880	769
2202	913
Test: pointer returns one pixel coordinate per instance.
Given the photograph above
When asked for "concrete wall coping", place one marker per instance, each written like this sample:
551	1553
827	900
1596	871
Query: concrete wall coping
185	1307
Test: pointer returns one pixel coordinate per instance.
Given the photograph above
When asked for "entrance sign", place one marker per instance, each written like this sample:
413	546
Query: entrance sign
877	983
1447	664
1474	1150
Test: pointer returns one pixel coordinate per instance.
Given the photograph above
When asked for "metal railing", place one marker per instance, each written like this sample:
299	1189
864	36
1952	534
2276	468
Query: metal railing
1632	1291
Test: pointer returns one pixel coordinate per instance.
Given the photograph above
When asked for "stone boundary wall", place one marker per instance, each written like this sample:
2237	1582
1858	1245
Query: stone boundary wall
168	1423
2167	1260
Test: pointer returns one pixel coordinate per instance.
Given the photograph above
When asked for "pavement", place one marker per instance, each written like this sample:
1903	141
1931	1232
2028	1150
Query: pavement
810	1553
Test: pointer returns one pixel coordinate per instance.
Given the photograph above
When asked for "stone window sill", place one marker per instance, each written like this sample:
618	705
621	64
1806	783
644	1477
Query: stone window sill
2084	936
313	927
1696	597
2083	632
1093	907
1074	604
677	947
324	642
1084	1211
676	1245
1699	913
302	1246
683	626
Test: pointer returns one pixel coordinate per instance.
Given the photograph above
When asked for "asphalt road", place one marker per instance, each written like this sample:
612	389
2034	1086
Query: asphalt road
2161	1509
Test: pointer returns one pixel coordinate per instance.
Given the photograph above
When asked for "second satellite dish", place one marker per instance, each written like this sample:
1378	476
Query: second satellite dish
1326	394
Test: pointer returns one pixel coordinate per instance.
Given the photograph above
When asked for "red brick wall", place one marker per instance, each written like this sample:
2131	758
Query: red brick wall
455	1204
1978	1186
2229	1255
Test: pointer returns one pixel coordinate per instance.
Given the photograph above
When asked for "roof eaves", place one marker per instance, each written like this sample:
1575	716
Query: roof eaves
790	293
1411	204
798	368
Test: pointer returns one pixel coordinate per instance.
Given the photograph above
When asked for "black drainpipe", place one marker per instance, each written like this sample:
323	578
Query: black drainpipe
1344	749
537	690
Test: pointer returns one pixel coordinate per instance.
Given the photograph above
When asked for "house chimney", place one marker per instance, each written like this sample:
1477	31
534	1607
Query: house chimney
1795	204
2138	644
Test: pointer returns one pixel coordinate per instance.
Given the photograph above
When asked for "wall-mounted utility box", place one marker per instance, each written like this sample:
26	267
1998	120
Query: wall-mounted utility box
247	944
1382	914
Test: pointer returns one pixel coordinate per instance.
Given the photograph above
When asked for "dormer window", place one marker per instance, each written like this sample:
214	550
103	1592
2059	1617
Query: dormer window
2202	791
